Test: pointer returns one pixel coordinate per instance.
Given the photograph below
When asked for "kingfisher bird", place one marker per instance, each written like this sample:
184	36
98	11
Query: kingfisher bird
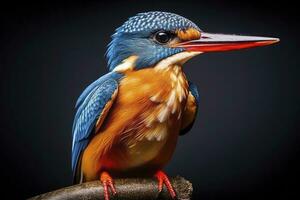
128	121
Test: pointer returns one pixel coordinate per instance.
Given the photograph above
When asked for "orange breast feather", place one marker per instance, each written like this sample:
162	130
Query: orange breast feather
142	125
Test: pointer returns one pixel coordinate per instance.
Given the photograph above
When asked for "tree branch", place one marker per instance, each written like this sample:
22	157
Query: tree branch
129	189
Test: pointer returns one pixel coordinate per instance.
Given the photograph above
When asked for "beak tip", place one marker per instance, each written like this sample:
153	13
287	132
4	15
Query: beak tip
277	40
273	41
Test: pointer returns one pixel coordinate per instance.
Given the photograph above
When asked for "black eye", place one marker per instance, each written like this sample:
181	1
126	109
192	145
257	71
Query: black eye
162	37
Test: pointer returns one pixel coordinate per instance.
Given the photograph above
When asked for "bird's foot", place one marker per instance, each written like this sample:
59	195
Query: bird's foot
163	179
107	182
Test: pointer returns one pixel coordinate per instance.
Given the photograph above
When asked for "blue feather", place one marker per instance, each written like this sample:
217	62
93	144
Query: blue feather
113	75
90	106
193	89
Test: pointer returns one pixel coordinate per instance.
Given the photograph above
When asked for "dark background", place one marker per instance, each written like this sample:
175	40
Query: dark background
245	142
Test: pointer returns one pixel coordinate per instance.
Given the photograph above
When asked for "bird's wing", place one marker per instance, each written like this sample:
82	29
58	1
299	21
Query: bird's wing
190	113
92	108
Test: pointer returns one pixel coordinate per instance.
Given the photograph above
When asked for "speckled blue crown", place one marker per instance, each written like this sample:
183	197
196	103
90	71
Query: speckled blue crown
154	21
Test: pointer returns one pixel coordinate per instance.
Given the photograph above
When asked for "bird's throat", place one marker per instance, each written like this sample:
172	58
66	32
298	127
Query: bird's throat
177	59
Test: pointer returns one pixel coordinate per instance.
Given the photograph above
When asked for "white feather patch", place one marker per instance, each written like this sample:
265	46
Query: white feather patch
163	114
156	98
171	99
178	58
127	64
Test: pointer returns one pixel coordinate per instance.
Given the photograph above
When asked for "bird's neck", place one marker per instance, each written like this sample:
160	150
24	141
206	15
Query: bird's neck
178	59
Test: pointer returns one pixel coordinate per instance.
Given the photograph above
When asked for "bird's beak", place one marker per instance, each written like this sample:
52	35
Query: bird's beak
210	42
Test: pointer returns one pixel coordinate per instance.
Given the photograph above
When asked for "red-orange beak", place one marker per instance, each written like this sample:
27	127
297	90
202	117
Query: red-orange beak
222	42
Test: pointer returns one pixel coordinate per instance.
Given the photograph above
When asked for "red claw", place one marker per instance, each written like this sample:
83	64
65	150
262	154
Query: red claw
107	182
163	179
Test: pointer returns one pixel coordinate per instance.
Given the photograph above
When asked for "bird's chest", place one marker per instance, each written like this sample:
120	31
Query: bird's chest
157	95
156	99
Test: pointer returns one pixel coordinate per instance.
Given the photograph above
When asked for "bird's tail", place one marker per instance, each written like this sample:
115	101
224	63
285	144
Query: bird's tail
78	176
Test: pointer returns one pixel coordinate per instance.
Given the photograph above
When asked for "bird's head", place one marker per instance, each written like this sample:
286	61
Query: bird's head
160	38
